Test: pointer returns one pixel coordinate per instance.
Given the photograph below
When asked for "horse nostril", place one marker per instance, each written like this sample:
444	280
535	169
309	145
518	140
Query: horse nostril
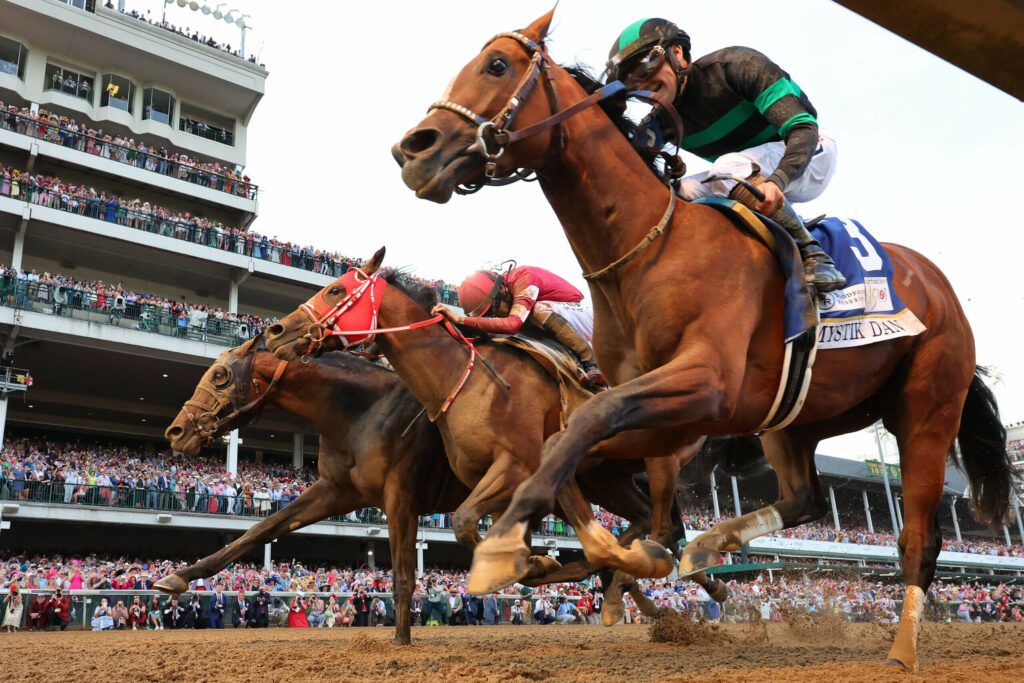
174	433
275	330
420	141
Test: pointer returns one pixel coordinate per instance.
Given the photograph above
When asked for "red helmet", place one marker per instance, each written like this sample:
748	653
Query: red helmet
479	291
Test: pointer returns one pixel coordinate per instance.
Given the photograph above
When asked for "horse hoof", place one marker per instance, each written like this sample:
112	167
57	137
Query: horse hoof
172	584
695	558
719	591
492	571
656	560
908	667
612	614
541	566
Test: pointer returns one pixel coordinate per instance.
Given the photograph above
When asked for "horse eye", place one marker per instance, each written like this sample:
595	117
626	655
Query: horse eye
497	66
335	291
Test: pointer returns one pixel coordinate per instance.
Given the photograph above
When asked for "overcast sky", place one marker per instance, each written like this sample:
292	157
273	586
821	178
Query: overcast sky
928	154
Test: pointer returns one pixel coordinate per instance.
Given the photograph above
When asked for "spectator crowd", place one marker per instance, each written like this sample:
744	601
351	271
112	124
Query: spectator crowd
299	596
185	31
52	193
66	131
147	312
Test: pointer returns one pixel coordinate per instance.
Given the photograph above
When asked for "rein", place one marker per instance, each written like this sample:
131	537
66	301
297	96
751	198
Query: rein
206	424
501	137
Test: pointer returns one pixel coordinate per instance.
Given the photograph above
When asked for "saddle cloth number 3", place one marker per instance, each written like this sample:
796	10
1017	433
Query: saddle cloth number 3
870	260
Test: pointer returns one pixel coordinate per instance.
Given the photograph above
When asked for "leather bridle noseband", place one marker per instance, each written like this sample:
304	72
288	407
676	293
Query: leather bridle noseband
207	423
497	128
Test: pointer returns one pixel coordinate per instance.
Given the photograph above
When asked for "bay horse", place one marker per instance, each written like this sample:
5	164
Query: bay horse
373	453
493	435
689	326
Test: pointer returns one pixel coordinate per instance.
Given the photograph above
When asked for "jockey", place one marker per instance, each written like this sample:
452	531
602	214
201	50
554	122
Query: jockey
502	303
741	112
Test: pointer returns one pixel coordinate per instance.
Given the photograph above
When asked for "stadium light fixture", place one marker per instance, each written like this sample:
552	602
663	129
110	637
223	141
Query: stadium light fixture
373	531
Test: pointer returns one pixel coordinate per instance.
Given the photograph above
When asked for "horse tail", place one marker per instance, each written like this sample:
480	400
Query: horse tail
983	455
737	456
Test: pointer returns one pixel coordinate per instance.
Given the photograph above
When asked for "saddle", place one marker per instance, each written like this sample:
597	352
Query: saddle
559	362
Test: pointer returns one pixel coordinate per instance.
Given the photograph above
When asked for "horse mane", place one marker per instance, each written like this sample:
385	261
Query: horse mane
424	296
615	108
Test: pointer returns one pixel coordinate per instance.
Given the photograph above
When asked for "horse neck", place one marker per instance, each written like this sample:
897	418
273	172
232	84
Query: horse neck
330	399
428	360
604	195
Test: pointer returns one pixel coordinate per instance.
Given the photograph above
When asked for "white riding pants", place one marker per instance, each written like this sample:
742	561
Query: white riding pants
807	186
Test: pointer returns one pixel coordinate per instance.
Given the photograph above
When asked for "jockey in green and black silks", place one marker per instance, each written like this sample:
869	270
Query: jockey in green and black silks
745	115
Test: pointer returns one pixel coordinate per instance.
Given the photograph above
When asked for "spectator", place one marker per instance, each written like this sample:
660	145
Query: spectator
317	612
517	615
120	614
218	602
155	614
102	617
240	611
491	614
455	607
174	615
361	602
137	613
59	608
38	613
297	611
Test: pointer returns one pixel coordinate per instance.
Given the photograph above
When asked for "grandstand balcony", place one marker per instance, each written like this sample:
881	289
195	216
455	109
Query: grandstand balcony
198	82
126	166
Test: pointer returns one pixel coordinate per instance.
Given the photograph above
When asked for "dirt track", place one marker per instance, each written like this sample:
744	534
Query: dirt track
950	652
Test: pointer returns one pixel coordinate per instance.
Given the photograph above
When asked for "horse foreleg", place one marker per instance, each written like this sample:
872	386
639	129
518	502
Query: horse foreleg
318	502
402	525
687	390
791	454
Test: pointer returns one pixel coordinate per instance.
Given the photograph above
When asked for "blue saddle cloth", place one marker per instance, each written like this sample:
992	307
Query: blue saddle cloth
868	309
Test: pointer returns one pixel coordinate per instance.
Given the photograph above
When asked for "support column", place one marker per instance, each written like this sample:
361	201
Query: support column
266	556
867	510
3	420
956	520
899	513
232	464
237	278
835	511
736	496
297	450
885	480
371	561
1006	534
18	250
714	495
1016	506
420	547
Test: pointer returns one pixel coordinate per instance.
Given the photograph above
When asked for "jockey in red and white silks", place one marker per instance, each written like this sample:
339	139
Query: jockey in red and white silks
498	303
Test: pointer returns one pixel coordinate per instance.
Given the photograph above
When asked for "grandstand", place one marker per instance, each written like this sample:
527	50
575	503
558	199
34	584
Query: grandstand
114	383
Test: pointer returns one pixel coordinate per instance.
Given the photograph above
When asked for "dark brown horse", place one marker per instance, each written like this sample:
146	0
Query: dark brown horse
360	411
493	435
690	330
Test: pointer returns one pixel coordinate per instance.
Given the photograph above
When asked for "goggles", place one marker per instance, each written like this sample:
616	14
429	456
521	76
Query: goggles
642	68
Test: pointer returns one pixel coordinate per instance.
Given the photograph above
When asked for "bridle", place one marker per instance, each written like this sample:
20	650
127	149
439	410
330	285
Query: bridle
207	424
327	319
493	136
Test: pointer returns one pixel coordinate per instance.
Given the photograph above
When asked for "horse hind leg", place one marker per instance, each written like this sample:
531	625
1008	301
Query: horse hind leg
791	454
925	424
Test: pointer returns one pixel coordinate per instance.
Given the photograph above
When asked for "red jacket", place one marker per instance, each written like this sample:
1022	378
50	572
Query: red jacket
528	285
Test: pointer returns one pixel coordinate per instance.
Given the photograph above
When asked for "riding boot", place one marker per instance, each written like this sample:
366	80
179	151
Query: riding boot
566	335
819	268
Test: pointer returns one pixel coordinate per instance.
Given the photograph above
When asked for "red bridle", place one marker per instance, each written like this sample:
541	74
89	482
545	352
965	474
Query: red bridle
364	301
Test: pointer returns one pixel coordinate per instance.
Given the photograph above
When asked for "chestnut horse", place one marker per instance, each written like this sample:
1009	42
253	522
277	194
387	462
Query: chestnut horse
365	460
493	436
690	330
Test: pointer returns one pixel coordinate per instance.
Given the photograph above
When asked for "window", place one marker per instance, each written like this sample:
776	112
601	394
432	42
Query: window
12	57
119	93
157	105
87	5
207	125
68	81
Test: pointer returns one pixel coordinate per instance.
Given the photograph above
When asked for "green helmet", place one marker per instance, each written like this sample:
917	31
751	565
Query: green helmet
634	43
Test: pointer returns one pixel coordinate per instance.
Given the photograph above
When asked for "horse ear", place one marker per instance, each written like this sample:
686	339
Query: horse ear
538	30
373	265
250	346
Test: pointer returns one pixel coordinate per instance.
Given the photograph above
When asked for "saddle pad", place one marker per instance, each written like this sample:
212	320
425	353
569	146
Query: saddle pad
868	309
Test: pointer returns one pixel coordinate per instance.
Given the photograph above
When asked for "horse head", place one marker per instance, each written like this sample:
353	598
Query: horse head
218	404
350	302
464	138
